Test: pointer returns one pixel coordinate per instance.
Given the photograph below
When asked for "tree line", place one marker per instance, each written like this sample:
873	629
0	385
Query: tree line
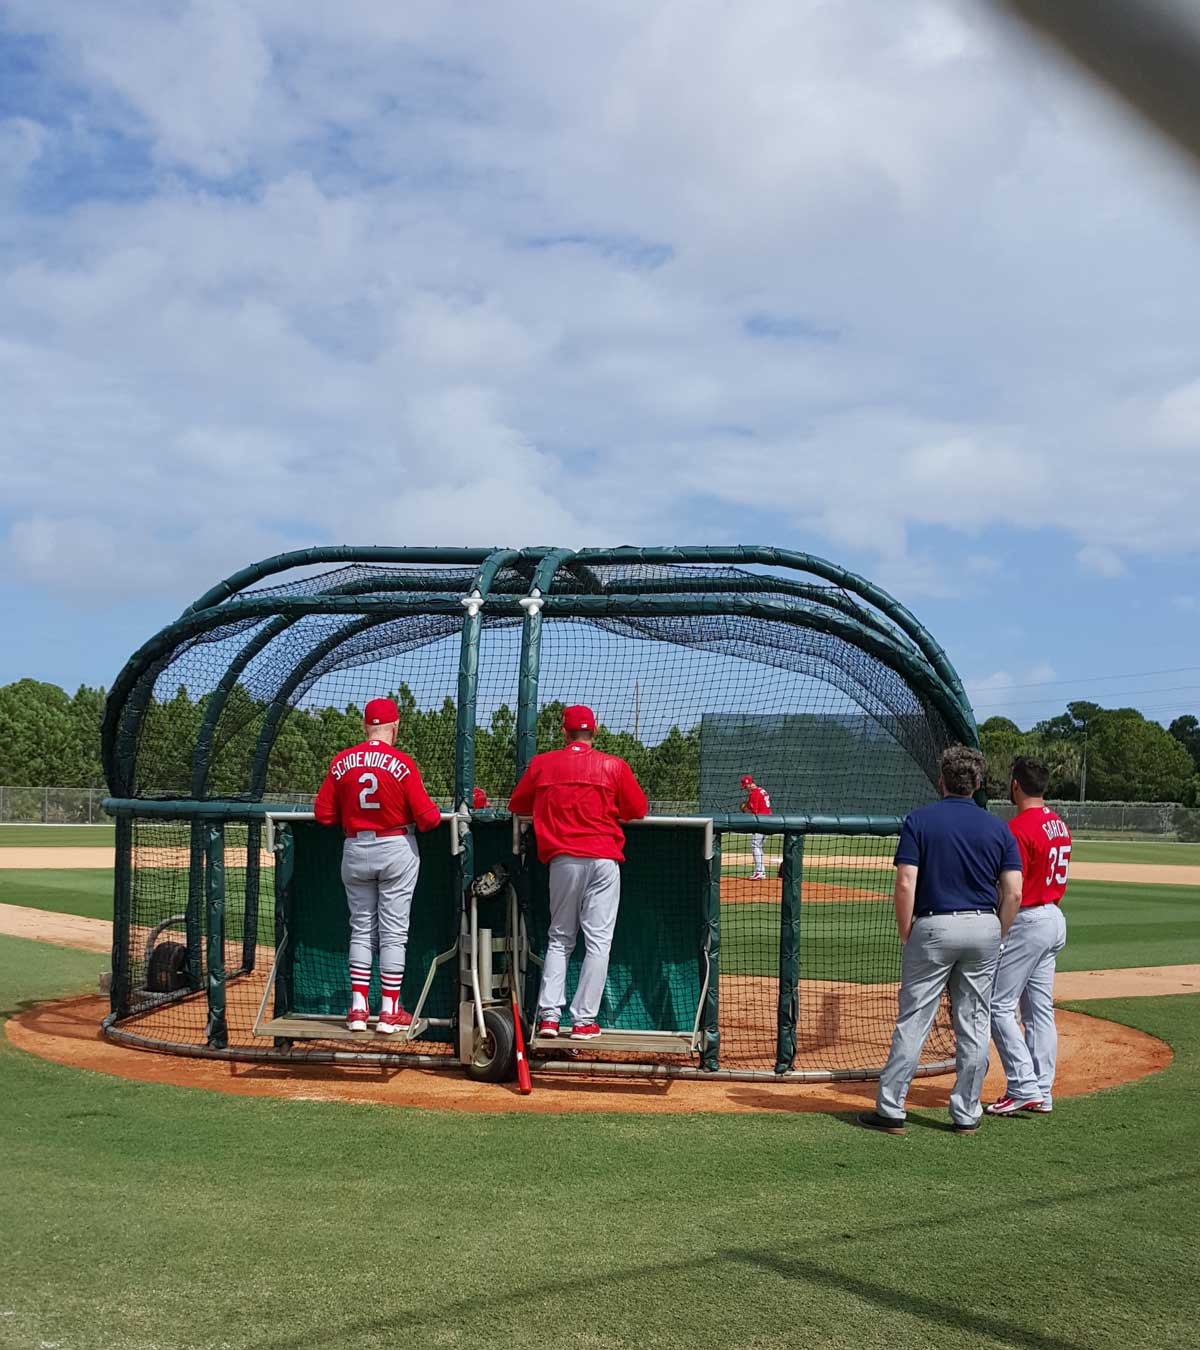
1101	754
49	738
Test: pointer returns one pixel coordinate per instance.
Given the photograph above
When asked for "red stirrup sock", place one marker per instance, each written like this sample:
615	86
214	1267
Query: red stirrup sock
360	985
391	990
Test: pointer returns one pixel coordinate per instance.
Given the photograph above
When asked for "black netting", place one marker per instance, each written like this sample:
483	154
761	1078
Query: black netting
257	708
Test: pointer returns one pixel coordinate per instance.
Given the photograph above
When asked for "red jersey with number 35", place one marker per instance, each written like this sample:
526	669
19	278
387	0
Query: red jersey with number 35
1045	846
373	786
758	802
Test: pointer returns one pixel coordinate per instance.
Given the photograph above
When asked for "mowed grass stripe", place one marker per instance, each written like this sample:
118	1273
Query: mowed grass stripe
138	1226
56	836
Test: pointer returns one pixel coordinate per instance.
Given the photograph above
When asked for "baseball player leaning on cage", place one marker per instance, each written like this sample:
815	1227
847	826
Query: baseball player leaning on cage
958	886
1025	975
374	793
578	797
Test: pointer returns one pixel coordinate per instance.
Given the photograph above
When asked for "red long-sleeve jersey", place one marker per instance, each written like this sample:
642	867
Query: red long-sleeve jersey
757	801
374	786
578	797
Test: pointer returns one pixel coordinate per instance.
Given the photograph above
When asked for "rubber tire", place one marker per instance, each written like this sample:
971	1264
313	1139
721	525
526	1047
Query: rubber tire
495	1058
168	968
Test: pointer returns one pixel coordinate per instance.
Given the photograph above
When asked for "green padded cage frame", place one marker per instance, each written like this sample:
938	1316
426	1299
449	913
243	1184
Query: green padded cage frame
217	937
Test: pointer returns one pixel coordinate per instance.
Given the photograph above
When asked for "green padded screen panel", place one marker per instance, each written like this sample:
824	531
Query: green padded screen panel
656	968
319	926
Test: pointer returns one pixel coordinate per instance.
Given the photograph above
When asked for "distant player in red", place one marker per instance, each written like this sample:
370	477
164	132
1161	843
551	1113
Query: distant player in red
375	794
1025	975
479	800
578	798
758	802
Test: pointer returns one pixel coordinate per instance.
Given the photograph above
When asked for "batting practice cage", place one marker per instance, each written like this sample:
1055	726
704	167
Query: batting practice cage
747	946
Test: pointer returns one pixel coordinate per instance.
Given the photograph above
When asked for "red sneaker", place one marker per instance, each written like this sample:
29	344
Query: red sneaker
393	1022
547	1027
356	1019
585	1031
1009	1106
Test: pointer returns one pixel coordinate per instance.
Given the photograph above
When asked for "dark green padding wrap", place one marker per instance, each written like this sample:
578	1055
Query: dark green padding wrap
319	927
656	969
789	954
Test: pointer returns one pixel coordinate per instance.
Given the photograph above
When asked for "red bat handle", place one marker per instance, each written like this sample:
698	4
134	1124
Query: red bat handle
524	1081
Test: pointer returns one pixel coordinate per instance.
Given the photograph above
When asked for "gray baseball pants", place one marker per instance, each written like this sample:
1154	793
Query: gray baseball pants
584	894
756	851
959	950
380	876
1025	979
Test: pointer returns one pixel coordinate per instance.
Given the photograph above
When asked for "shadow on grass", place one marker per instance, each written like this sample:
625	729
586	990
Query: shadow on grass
812	1275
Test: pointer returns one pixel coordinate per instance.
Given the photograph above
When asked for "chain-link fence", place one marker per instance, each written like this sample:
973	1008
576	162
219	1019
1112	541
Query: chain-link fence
1121	820
82	806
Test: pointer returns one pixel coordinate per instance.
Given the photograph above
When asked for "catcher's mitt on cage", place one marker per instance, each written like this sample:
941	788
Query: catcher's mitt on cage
491	882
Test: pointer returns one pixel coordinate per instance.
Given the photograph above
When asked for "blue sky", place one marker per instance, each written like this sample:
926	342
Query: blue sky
885	283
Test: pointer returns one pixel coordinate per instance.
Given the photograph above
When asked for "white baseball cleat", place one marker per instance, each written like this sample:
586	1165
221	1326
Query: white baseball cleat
1010	1106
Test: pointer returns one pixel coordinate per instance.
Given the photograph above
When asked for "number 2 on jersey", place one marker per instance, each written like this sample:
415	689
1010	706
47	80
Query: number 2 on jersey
370	786
1060	859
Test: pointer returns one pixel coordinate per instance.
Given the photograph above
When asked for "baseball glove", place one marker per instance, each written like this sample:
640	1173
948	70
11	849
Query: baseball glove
490	883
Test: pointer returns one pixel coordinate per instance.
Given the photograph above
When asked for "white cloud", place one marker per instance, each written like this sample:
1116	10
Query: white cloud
21	144
1104	562
1177	420
381	244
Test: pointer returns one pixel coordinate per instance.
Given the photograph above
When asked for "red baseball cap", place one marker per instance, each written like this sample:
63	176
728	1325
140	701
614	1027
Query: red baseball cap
579	718
479	799
380	711
747	781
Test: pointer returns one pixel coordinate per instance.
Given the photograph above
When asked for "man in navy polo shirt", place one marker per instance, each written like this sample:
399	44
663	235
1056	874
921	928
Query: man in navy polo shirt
958	888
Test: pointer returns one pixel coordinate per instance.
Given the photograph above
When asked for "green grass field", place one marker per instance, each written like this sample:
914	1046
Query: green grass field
56	836
138	1215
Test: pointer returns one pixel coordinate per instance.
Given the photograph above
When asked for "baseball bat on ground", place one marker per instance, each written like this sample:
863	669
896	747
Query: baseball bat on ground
524	1081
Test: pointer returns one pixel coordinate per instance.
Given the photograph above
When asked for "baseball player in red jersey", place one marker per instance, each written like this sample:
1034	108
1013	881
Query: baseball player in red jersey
479	800
375	794
578	797
758	802
1025	975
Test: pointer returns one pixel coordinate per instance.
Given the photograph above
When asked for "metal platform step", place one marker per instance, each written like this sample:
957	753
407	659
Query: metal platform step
311	1027
651	1042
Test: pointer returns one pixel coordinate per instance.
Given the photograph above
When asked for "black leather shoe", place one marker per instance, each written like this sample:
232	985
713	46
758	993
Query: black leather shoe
872	1120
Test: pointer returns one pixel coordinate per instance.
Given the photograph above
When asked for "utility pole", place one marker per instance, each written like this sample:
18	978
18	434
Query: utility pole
1083	768
637	710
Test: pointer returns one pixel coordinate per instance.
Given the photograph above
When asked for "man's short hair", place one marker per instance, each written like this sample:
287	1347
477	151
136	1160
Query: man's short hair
963	770
1031	775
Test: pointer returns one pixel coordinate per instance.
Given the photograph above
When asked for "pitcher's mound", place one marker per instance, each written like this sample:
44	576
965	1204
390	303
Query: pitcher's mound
1092	1055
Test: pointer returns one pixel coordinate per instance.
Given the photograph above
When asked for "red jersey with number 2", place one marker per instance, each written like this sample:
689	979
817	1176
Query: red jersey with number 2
1045	846
374	787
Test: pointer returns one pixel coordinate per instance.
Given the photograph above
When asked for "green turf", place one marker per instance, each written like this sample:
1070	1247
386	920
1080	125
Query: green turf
56	836
1152	853
140	1216
78	891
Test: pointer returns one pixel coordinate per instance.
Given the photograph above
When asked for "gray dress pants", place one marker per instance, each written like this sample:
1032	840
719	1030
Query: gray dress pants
959	950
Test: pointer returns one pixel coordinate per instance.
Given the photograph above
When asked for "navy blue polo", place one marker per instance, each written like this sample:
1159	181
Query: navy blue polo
959	850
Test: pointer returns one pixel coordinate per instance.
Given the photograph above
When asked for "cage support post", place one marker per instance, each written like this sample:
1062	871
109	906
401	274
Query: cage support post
122	902
253	887
193	914
217	1031
789	953
284	865
710	1042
